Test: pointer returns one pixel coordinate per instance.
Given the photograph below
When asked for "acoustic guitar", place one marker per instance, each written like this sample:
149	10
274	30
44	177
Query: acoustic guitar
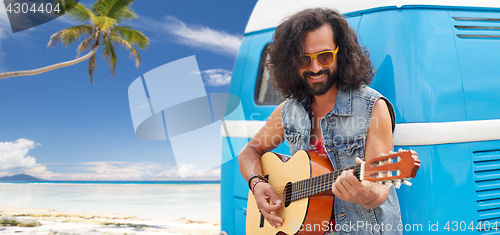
304	185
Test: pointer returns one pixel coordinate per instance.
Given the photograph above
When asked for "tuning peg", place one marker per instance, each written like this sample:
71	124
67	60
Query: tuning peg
407	182
400	150
397	183
386	183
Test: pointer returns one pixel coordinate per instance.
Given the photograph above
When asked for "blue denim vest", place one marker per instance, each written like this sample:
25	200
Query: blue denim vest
344	131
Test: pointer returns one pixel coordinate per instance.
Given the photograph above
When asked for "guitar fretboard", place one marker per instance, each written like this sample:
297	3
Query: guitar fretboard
315	185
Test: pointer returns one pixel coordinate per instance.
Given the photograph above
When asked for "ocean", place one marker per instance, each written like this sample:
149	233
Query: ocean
155	200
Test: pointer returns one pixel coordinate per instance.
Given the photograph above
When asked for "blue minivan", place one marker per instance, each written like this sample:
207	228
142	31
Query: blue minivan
438	62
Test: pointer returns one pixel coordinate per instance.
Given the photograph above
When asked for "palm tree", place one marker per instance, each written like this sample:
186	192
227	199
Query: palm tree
103	30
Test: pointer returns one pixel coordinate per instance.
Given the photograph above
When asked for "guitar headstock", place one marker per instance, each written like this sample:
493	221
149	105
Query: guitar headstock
393	168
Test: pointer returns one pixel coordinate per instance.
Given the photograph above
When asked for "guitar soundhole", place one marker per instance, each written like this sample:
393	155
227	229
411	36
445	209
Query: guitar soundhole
287	194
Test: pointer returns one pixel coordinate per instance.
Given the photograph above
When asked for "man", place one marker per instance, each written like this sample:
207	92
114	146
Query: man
319	66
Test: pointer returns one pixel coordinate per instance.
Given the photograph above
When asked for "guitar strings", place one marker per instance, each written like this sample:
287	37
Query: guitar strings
334	173
306	188
295	195
321	183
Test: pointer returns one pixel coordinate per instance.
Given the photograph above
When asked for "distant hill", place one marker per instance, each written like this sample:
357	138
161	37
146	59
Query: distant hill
20	178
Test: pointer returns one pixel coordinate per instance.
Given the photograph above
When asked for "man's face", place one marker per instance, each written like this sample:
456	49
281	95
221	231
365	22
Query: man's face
317	78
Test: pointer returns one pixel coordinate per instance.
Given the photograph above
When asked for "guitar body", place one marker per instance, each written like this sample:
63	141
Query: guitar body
312	214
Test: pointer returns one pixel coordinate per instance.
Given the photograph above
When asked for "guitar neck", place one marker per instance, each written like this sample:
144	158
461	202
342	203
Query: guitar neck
322	183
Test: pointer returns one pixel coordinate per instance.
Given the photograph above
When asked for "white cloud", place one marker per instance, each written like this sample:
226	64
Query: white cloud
194	35
14	155
187	169
39	169
207	174
216	77
103	171
2	174
4	30
131	169
128	171
4	19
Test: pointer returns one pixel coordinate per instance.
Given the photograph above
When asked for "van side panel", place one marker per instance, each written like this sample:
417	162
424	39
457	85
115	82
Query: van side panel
477	37
486	179
432	74
418	69
441	193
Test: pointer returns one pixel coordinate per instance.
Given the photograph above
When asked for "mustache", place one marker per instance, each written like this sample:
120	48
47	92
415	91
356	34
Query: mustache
309	73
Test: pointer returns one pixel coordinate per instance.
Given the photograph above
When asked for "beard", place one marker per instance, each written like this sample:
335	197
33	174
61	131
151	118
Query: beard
318	89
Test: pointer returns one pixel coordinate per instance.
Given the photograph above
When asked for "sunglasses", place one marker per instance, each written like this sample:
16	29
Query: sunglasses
324	58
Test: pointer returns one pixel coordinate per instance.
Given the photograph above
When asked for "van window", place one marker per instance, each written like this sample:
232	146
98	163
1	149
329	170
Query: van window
265	92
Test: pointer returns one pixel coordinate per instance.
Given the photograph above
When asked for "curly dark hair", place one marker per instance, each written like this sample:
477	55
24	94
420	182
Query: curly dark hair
353	64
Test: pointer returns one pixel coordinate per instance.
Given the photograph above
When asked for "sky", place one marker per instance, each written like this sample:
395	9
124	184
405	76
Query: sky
58	126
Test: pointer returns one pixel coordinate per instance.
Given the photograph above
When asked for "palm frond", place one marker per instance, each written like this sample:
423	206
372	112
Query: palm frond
134	37
104	23
85	45
133	52
92	67
116	9
104	15
70	35
109	54
126	15
79	12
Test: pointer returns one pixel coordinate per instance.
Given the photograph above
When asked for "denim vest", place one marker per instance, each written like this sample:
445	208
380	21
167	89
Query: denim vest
344	131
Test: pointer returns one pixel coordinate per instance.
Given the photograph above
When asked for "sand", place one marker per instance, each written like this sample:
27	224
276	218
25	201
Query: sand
110	209
59	222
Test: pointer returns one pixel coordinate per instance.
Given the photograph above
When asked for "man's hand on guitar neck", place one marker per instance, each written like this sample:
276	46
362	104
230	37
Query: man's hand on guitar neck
368	194
264	194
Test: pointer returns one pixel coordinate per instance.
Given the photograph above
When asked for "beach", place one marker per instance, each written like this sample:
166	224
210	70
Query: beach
110	208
